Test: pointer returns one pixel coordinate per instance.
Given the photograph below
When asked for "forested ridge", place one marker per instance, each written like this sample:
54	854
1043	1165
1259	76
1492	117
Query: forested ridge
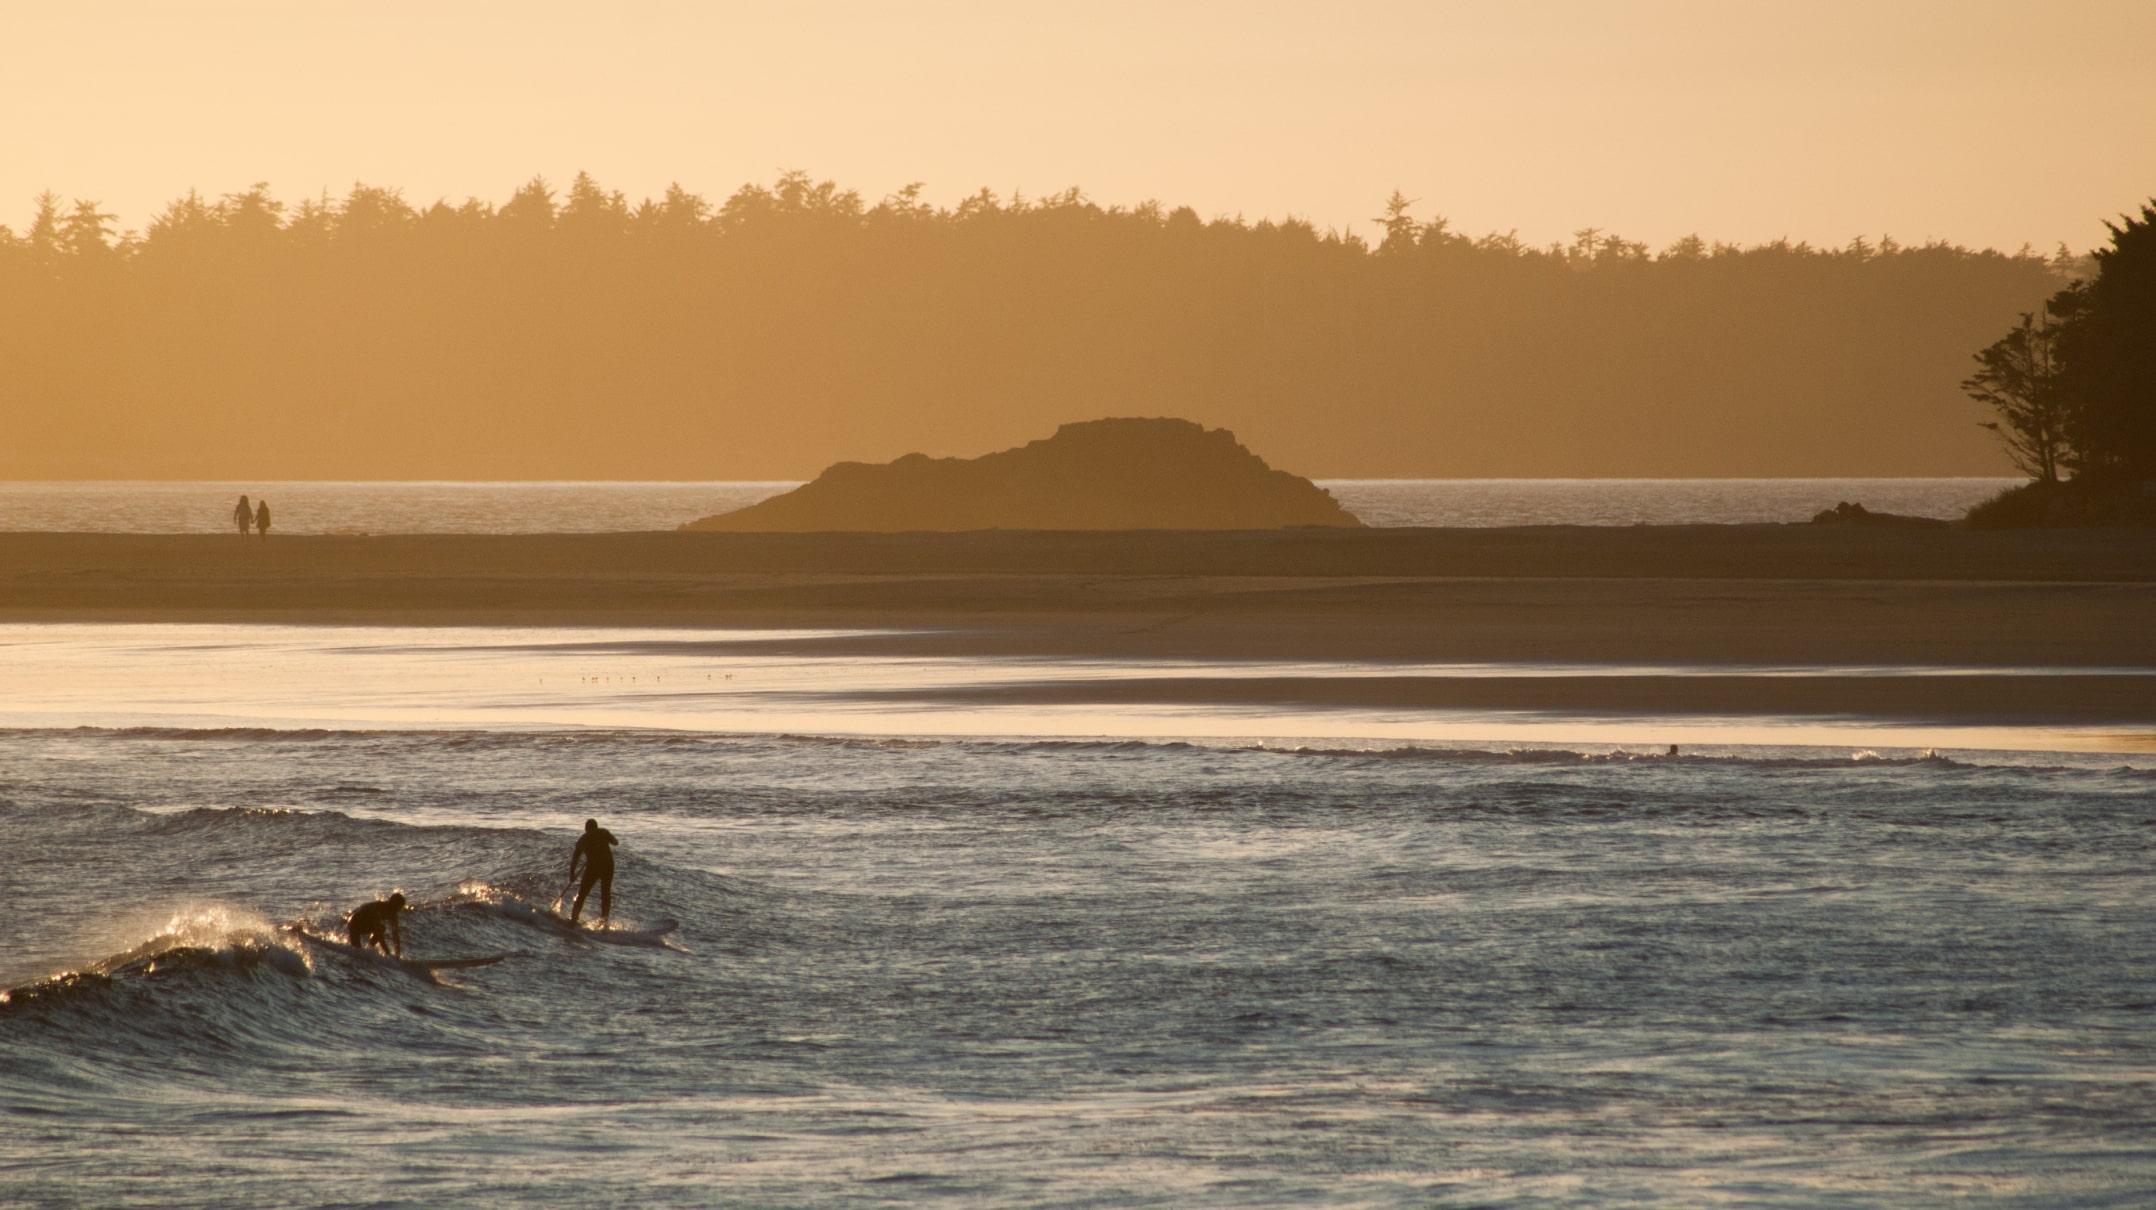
579	335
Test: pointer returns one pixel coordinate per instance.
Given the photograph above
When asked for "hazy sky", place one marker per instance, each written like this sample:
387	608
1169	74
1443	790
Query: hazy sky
1977	121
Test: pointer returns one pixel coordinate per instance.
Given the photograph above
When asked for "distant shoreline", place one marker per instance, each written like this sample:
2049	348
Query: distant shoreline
1741	598
391	508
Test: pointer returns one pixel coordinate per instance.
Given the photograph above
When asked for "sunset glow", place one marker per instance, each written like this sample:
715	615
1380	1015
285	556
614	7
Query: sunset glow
1818	121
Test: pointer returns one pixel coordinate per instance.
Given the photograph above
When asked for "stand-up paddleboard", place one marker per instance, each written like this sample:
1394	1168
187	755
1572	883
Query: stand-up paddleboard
653	935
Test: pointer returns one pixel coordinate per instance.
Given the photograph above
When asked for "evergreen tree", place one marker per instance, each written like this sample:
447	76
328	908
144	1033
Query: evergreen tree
2020	379
2107	352
86	232
43	237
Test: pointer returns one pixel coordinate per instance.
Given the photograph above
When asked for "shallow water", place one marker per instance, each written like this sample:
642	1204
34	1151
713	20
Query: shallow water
569	507
1030	970
818	682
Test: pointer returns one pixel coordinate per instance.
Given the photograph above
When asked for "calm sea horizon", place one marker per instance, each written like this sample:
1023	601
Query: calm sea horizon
569	506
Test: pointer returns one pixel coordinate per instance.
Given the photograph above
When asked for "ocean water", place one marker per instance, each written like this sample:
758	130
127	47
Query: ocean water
1479	503
315	508
960	956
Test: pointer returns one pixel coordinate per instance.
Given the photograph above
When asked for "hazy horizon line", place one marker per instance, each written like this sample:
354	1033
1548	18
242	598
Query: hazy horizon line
1321	479
1017	198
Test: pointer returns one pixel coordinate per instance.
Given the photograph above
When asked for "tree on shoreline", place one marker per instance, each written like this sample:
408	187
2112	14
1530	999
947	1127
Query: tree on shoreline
2020	379
2107	352
2075	387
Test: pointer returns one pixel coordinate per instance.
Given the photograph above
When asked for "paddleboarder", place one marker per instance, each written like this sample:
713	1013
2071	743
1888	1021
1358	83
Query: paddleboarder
370	922
595	851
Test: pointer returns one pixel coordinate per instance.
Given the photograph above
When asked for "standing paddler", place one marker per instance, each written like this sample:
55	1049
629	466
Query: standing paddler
595	852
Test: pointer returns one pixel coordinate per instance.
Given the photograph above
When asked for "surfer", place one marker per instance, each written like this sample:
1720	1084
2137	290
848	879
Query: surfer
370	920
595	849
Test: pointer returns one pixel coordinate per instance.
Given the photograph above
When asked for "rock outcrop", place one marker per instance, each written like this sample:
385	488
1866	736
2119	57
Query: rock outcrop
1846	513
1098	474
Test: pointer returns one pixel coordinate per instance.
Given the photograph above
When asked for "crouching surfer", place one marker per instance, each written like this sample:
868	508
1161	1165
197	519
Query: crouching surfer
375	924
594	851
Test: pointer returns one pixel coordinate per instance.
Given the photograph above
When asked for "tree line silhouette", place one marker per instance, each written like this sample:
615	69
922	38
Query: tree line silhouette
578	335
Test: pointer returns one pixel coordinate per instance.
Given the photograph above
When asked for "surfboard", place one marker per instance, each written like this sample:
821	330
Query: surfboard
453	964
418	966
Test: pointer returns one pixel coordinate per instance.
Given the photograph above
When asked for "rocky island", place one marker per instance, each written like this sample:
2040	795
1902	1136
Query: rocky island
1122	473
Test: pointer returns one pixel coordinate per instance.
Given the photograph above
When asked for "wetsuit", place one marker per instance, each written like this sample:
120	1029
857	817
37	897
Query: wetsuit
375	924
595	848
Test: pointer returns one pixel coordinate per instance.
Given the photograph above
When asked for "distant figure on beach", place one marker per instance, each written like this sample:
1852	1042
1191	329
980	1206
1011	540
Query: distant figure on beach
243	515
262	519
370	922
595	850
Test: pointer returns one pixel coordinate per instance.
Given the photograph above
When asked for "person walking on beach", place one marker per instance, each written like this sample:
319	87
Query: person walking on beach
595	850
370	921
262	519
243	515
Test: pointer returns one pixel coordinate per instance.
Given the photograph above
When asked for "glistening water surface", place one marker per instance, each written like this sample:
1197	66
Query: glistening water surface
838	683
1037	970
572	507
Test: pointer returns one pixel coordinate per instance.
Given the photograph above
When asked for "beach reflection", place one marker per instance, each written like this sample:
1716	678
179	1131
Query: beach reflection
809	682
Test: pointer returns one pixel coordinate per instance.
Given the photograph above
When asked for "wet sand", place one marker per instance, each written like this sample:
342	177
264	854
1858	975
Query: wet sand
1738	597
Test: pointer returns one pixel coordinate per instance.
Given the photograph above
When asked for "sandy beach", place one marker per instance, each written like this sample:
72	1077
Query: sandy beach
2034	628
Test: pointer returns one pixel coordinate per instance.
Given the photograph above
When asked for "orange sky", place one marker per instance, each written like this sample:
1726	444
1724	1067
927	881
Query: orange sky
1977	121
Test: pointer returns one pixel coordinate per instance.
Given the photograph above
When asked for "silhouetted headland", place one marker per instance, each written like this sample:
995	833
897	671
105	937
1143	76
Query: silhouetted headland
1119	473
